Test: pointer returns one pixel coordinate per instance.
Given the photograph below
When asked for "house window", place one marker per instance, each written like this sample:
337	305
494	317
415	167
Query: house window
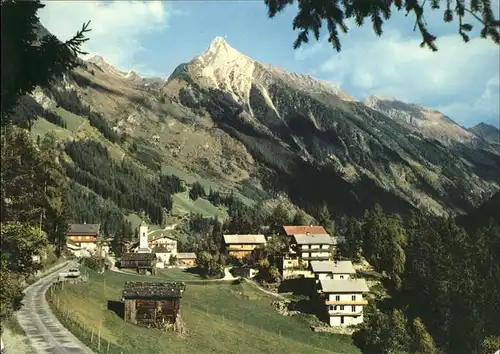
337	297
353	308
341	277
334	307
341	307
331	308
353	298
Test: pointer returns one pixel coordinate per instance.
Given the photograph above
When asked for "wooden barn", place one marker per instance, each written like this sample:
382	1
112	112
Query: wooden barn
152	304
142	262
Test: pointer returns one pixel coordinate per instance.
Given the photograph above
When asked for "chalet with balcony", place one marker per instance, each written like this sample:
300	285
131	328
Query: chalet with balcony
240	246
343	300
85	236
303	249
336	270
154	305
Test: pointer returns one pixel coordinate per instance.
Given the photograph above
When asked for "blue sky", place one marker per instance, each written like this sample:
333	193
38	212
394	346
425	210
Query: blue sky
153	37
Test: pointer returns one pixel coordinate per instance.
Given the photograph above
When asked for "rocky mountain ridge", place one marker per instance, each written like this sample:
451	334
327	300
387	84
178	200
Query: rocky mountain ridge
264	131
487	132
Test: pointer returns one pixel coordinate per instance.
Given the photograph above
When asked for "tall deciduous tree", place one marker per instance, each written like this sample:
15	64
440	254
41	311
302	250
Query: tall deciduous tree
325	219
352	232
278	218
300	218
383	243
313	14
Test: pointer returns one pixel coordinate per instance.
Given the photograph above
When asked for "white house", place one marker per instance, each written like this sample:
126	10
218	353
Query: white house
337	270
343	300
303	249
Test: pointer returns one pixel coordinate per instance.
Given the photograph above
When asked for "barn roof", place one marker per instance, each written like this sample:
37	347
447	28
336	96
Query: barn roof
138	257
84	228
302	230
151	290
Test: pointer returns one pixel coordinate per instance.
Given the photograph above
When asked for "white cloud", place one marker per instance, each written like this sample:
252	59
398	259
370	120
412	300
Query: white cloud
117	26
461	79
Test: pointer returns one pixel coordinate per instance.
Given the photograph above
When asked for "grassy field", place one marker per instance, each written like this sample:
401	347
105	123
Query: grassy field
42	127
183	205
207	184
73	121
219	318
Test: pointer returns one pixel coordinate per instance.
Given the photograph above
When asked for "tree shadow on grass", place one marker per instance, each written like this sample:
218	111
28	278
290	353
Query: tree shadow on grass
298	286
193	270
117	307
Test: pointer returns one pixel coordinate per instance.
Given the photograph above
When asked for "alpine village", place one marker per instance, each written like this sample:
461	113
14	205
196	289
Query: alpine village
228	210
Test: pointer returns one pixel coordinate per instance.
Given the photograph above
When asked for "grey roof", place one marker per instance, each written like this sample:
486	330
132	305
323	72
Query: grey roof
244	239
323	239
340	267
84	228
338	239
146	290
344	286
186	255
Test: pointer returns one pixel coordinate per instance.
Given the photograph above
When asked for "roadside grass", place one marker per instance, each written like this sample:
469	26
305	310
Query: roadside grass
219	317
13	324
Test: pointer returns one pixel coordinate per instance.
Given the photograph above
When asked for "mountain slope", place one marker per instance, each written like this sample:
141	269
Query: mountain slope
481	216
431	123
259	130
291	121
487	132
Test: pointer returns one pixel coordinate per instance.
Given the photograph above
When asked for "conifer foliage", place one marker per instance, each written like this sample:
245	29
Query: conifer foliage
33	187
314	13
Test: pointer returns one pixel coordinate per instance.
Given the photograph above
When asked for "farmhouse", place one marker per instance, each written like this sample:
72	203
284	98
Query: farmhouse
152	304
84	235
303	249
240	246
141	262
186	259
336	270
343	300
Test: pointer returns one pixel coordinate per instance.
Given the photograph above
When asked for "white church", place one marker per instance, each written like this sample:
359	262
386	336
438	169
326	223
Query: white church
156	242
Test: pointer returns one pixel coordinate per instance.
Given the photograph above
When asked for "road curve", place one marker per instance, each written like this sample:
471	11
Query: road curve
46	335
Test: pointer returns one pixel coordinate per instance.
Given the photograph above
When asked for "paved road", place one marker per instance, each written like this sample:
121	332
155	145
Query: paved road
44	331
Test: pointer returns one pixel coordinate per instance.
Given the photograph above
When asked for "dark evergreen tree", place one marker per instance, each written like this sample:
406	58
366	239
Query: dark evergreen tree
313	14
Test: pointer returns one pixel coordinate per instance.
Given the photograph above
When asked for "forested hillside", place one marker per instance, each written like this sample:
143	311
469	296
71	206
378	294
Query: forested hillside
81	145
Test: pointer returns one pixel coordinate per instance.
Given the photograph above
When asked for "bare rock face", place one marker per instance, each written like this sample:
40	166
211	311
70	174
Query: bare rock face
429	122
